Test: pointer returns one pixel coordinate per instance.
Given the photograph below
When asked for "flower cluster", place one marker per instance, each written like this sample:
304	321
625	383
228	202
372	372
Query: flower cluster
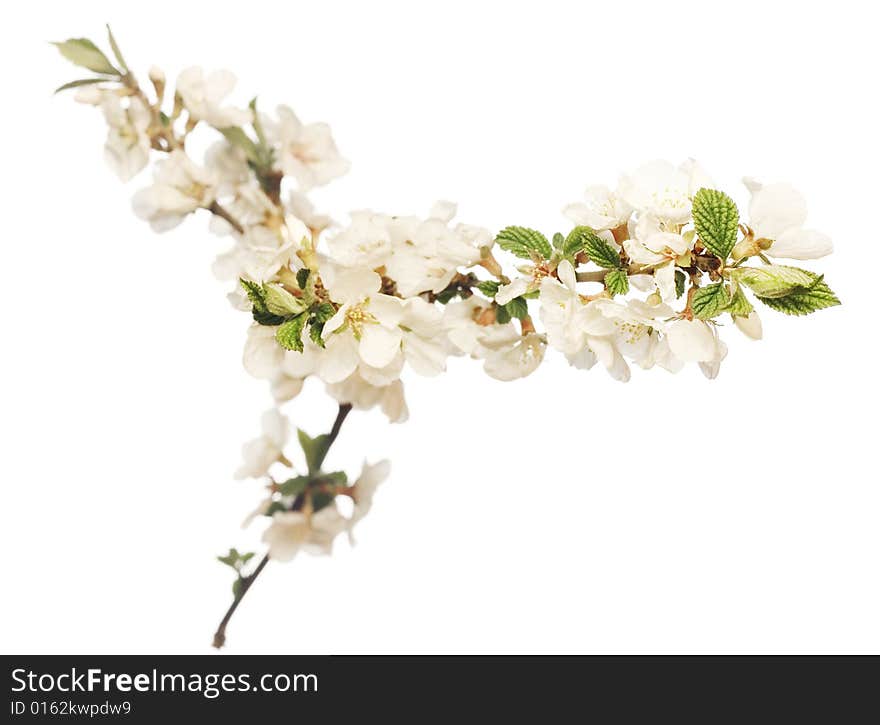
647	274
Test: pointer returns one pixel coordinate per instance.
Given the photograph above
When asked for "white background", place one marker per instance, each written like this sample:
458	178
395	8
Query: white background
561	513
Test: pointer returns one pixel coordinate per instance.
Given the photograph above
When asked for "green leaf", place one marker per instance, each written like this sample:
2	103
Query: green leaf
524	242
804	300
289	334
502	316
302	277
710	301
598	250
319	315
680	279
445	296
280	302
257	124
316	333
558	241
489	287
230	559
116	52
81	82
257	295
716	220
739	305
323	312
84	53
237	587
335	478
517	308
321	500
293	486
274	507
315	450
577	240
773	280
617	282
236	136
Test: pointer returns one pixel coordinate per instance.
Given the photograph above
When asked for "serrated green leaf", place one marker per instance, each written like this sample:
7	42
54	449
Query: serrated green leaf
116	52
716	220
256	293
84	53
280	302
263	317
597	249
773	280
289	334
617	282
710	301
81	82
804	300
489	287
680	280
302	277
517	308
577	241
739	305
524	242
315	450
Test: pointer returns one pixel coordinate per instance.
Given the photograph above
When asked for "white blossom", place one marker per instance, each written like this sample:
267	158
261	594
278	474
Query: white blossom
363	491
261	453
778	212
692	340
662	190
263	356
514	359
127	149
203	97
306	152
750	326
293	531
601	209
179	187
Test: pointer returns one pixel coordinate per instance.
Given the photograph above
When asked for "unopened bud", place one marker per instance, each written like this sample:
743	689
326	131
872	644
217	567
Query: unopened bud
157	78
746	248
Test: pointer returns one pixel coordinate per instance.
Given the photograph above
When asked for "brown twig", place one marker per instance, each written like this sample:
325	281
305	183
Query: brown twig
217	210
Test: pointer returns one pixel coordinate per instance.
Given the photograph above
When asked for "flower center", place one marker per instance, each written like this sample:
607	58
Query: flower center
357	317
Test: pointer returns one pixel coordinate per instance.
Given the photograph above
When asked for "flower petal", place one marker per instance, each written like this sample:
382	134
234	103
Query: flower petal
379	345
797	243
691	341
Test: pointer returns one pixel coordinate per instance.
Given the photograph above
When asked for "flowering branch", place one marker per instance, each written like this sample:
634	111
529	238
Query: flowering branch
673	258
243	583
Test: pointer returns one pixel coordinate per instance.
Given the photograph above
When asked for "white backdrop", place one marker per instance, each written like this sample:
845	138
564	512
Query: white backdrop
669	514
